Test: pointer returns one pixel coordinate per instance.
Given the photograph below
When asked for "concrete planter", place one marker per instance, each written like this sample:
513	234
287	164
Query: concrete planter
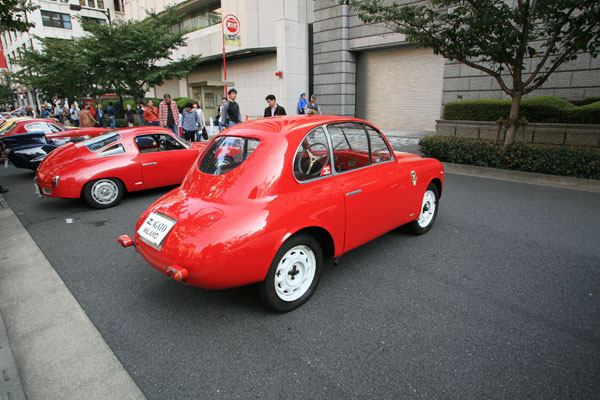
582	135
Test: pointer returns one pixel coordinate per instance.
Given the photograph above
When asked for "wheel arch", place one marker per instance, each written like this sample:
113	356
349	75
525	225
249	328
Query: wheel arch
438	183
322	236
102	177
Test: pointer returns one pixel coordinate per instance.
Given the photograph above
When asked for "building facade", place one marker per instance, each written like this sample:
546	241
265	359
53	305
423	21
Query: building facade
54	19
367	71
267	51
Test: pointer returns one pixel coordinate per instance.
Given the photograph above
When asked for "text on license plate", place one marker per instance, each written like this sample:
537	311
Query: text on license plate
155	228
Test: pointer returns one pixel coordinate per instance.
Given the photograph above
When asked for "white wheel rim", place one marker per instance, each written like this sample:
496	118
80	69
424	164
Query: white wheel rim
105	191
295	273
427	209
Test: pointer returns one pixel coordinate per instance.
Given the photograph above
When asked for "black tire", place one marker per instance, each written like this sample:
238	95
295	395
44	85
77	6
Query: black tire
296	256
427	216
103	193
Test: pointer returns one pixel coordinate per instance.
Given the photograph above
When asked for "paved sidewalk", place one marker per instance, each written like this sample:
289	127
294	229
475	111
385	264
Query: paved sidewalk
58	352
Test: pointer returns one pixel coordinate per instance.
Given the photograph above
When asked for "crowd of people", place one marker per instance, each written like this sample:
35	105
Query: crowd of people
189	124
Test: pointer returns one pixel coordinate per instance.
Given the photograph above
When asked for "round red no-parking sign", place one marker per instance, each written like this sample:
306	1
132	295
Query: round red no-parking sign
232	24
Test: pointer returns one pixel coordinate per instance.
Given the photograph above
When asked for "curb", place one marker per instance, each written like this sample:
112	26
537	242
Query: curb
58	352
588	185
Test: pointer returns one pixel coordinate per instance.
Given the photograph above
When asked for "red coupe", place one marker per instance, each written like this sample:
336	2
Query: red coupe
270	200
101	169
55	132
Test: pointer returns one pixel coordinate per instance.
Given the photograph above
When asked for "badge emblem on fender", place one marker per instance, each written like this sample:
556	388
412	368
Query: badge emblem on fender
413	175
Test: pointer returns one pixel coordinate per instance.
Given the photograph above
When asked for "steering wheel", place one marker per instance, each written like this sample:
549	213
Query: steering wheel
312	158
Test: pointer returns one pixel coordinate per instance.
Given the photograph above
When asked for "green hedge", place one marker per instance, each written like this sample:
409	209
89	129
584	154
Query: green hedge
547	109
181	102
554	160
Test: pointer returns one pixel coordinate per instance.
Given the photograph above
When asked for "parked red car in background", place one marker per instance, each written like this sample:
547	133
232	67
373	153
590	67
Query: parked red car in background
103	168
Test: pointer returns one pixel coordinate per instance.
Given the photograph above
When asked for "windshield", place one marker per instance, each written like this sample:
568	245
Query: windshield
8	128
227	153
98	142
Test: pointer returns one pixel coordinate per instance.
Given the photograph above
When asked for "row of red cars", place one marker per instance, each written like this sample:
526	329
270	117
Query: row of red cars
268	201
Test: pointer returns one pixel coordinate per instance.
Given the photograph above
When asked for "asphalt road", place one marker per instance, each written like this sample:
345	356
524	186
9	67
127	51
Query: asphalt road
500	300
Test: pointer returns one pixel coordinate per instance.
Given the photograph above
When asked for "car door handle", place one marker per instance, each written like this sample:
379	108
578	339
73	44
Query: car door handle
354	192
149	163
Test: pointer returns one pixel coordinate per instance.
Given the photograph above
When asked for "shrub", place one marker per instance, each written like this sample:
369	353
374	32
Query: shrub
547	109
585	101
554	160
121	123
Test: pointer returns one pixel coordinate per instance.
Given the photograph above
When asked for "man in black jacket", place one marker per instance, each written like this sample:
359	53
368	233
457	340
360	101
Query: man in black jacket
273	109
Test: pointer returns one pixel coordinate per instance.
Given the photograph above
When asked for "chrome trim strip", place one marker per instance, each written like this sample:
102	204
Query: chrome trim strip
354	192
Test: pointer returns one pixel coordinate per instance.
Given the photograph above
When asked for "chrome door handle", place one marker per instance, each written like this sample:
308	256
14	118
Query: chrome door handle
354	192
149	163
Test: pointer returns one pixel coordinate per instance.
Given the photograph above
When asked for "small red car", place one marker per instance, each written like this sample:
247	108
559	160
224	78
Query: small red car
55	131
101	169
269	200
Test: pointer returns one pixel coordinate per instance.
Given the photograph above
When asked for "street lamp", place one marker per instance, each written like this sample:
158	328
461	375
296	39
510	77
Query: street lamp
78	7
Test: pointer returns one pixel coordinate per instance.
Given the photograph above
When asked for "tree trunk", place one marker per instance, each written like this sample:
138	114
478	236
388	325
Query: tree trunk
513	118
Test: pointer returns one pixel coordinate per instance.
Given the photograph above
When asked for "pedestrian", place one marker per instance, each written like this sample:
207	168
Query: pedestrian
302	103
129	115
312	107
231	110
29	111
202	126
273	109
168	113
190	122
66	114
151	114
219	113
92	110
100	120
58	112
85	117
140	111
110	111
45	112
74	112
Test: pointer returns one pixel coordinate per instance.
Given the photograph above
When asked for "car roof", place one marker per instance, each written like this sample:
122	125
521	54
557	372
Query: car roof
285	126
140	130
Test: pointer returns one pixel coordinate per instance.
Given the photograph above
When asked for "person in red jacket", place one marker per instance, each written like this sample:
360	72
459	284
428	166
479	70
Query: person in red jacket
151	114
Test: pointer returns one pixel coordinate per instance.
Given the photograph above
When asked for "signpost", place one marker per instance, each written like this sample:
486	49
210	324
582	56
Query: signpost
230	27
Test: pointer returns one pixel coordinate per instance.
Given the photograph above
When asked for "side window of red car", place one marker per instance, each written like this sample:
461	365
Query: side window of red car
350	146
380	151
312	158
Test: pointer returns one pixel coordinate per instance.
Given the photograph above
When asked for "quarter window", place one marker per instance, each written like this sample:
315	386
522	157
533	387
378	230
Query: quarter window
112	150
101	141
312	158
380	151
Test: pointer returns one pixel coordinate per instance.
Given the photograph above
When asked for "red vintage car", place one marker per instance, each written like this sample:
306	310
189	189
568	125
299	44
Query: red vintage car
55	132
101	169
270	200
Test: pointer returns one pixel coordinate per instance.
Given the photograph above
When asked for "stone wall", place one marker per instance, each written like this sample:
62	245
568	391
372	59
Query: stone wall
585	135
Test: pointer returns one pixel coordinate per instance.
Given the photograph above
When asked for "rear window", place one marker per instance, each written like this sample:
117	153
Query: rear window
227	153
101	141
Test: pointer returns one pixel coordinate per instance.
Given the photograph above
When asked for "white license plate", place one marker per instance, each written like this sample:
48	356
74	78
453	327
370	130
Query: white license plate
155	228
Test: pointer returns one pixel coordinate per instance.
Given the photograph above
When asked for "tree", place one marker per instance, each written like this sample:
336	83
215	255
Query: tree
59	70
131	56
13	15
6	95
496	36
